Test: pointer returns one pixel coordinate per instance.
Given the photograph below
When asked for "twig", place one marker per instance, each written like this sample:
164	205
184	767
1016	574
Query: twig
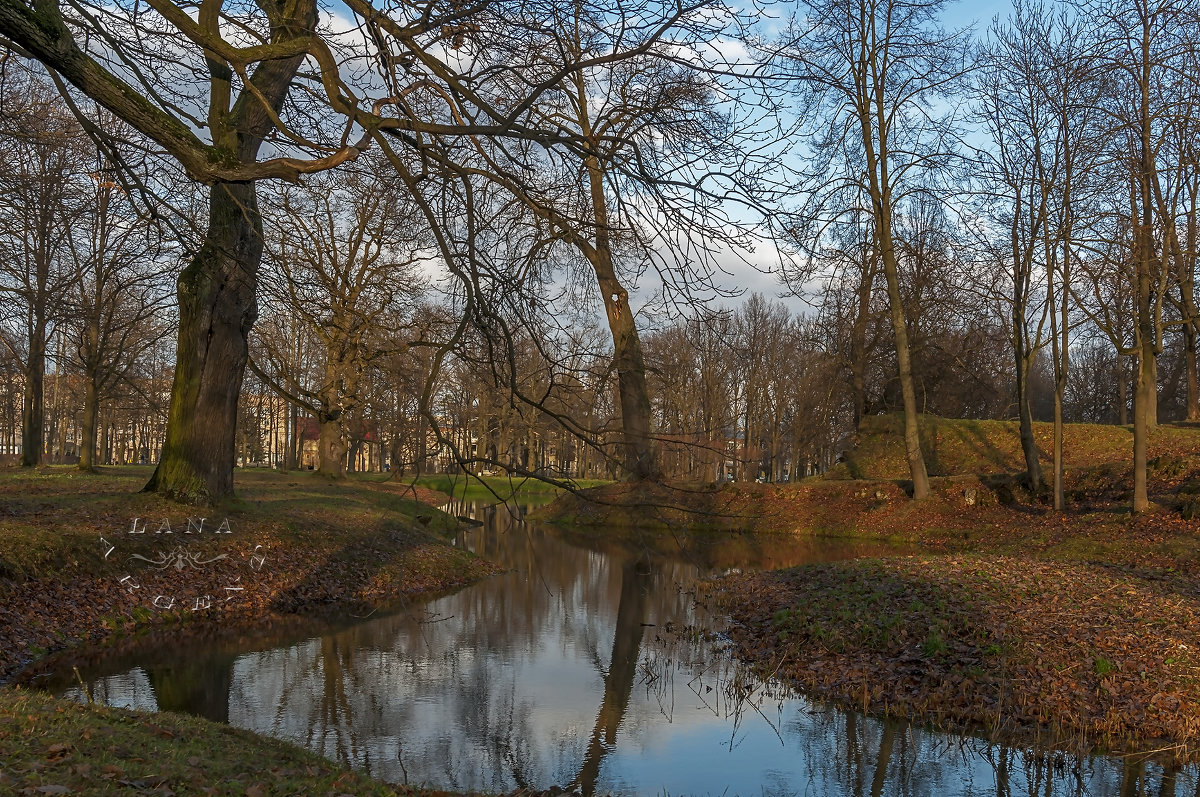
87	692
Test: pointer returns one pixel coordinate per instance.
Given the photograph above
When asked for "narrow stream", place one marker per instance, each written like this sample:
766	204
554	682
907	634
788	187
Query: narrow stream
582	668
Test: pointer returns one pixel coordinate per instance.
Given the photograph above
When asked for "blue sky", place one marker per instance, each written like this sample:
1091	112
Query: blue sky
965	12
978	11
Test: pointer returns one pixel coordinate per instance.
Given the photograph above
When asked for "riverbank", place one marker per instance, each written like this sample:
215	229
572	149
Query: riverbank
87	557
978	500
1082	656
58	747
1075	629
289	543
497	489
964	514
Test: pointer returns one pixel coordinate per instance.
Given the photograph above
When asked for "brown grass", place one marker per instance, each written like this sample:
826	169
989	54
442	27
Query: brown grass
351	544
1073	655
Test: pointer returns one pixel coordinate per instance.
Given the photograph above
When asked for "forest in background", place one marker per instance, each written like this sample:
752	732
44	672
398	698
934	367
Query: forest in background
419	234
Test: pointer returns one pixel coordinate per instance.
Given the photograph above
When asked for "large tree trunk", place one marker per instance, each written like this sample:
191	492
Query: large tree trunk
33	409
331	442
332	449
217	308
91	409
641	460
640	457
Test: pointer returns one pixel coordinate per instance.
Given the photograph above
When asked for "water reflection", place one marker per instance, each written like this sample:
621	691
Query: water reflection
582	667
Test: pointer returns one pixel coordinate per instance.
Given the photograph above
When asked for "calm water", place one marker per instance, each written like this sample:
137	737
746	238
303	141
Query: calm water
581	668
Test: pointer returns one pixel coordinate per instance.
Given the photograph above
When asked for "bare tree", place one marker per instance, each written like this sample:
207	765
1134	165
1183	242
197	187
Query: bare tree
1021	175
871	73
118	298
44	150
618	156
1143	53
226	72
344	251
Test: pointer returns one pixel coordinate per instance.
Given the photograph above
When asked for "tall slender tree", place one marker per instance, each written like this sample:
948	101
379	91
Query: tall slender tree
870	73
41	176
1142	51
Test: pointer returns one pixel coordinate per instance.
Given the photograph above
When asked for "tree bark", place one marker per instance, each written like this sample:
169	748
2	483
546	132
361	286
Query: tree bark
912	433
1122	393
1147	263
217	308
91	409
1033	467
331	441
1145	396
33	408
332	449
1061	352
1192	395
641	460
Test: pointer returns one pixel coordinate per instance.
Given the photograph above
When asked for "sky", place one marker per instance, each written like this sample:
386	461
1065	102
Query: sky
759	278
978	11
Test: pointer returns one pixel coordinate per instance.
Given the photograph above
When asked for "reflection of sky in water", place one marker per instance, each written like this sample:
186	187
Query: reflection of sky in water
562	672
129	689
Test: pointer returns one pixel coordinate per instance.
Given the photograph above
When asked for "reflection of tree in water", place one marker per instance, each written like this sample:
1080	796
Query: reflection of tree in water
199	686
887	758
636	580
332	727
449	692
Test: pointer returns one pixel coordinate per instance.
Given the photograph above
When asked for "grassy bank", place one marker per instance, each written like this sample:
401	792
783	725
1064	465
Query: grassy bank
1083	656
295	543
989	448
316	544
57	747
978	501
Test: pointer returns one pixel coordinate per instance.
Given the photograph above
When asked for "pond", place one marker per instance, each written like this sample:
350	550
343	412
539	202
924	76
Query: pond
586	666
